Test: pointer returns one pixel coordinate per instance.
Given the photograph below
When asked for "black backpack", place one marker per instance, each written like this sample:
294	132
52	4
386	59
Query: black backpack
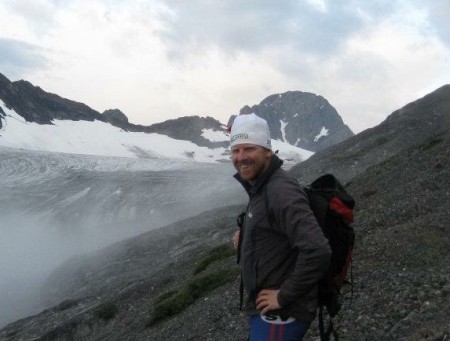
333	208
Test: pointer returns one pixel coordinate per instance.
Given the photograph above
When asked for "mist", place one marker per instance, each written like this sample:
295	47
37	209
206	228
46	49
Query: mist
29	252
52	209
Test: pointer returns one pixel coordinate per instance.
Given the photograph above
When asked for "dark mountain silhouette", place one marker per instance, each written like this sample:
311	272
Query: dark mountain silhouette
398	173
36	105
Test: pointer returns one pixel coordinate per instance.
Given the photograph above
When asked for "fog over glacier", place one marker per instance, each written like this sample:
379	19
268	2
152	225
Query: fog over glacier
54	206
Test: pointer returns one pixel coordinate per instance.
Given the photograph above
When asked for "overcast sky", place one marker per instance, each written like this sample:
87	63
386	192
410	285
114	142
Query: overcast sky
157	60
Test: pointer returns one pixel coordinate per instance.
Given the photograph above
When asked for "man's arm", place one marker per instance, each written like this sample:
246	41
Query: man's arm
296	219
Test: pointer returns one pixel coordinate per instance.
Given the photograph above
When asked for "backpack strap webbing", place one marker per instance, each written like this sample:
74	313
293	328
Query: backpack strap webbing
241	293
240	223
269	212
326	333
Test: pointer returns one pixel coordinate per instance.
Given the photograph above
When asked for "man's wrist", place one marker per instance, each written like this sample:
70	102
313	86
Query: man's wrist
282	301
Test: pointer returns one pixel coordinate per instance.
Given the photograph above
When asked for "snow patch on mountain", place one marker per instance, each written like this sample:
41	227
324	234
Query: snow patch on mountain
283	130
323	132
214	135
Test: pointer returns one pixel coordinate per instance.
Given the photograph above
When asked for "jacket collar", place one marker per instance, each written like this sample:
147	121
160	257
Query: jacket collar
275	163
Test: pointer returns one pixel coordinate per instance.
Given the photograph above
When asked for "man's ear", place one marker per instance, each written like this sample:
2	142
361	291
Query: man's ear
268	153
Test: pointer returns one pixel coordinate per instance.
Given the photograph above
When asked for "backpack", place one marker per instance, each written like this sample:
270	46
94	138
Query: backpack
333	209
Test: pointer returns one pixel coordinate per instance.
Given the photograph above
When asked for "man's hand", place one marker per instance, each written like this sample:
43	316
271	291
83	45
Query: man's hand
267	300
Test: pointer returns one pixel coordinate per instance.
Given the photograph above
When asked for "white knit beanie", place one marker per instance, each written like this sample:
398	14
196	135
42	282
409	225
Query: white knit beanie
250	129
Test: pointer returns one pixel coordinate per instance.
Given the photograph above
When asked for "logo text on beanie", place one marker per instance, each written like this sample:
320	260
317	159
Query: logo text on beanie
239	137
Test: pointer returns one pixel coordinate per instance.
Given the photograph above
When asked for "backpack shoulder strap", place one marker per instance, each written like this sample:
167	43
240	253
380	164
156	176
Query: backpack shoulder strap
269	211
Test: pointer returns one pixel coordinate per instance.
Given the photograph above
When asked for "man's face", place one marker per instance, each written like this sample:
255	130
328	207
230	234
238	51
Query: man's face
250	160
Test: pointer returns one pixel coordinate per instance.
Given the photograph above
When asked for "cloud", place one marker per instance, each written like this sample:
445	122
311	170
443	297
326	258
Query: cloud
157	60
316	28
256	25
36	13
18	56
438	17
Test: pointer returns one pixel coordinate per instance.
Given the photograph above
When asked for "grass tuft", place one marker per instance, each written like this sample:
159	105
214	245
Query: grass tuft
106	311
430	143
171	305
219	253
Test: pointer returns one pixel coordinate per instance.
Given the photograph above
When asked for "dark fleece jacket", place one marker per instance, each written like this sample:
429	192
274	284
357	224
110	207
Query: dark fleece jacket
284	248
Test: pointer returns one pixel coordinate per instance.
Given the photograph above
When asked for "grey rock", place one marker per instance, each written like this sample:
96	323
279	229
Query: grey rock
115	116
2	115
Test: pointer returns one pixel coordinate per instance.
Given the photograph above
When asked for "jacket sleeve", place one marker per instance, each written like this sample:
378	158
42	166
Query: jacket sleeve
296	220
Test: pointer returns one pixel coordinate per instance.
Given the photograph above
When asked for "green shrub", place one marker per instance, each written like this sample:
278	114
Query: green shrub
166	296
368	193
430	143
198	287
67	304
10	335
221	252
106	311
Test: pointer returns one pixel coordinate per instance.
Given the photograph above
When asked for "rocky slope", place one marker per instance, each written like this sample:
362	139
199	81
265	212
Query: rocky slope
401	265
412	124
402	260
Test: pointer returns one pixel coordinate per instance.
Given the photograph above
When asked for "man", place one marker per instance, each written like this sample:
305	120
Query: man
282	250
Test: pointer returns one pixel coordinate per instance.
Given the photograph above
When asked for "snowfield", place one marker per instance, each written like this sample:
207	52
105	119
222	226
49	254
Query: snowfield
102	139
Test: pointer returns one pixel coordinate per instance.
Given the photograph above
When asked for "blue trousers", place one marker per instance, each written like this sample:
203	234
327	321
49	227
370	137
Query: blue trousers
273	328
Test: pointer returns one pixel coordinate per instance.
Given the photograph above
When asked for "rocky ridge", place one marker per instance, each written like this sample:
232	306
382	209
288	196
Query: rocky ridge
36	105
299	118
190	128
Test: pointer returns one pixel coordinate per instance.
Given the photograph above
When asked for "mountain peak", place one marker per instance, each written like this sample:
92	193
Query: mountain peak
115	116
36	105
303	119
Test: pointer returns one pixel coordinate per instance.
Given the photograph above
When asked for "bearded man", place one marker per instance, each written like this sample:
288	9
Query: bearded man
282	250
